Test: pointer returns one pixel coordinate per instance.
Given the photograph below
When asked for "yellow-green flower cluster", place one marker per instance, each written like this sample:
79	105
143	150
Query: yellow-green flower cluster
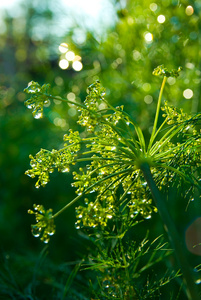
38	97
161	70
44	226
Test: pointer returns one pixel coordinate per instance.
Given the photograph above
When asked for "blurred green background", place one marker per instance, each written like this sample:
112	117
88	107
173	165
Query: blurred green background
117	42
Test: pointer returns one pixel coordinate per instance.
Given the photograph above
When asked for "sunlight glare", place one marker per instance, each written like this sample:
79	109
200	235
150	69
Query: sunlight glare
70	55
161	19
63	47
77	65
63	64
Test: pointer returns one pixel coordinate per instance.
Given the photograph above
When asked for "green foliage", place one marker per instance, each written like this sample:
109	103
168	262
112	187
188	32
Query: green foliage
121	272
122	59
116	148
116	152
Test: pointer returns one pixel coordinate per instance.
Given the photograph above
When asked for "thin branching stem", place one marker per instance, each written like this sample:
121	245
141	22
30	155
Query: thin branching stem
153	135
128	170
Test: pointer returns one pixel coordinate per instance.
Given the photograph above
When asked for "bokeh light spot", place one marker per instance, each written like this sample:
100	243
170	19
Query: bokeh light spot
189	10
153	6
171	80
137	55
71	96
188	93
193	35
59	81
70	55
77	65
148	99
63	64
77	57
190	65
148	37
161	19
60	122
72	112
63	47
146	87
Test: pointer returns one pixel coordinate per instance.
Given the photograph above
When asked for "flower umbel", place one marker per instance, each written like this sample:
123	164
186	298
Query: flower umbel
44	226
37	98
114	150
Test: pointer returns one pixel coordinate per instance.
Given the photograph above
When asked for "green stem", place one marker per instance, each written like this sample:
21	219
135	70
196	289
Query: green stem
157	113
128	170
177	244
66	101
67	205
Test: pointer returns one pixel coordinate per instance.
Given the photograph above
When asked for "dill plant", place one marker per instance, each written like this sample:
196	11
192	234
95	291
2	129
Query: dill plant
125	173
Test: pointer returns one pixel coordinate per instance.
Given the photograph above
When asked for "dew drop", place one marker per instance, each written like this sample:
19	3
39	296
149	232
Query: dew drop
38	115
51	232
109	216
31	175
198	281
65	170
36	234
30	106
